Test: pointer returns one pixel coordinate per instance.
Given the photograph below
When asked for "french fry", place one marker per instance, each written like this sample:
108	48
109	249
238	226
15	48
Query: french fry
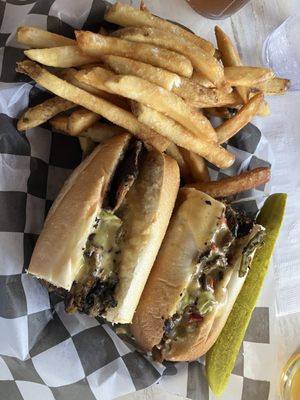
41	113
125	15
174	152
93	103
247	76
39	38
96	45
162	100
199	78
263	109
202	97
197	166
240	119
230	58
185	88
236	184
102	131
209	67
220	112
193	92
87	146
60	123
182	137
62	57
159	76
98	74
273	86
70	74
81	119
98	132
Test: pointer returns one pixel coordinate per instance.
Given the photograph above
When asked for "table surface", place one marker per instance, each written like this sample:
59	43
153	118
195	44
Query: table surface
249	28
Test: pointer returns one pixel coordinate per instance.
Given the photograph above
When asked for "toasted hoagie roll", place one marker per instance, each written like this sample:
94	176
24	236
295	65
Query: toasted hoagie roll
104	230
197	275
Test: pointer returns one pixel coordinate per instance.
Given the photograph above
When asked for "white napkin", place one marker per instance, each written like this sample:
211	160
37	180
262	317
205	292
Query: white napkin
282	132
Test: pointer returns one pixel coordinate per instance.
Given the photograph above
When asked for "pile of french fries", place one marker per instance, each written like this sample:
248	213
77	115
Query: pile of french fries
156	80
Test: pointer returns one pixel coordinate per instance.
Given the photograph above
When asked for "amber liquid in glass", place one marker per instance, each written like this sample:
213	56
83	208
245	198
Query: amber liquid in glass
217	9
290	379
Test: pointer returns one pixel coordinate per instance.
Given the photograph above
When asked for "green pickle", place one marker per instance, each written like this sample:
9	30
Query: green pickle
221	358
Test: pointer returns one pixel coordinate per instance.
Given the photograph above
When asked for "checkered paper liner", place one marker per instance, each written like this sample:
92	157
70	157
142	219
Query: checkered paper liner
45	353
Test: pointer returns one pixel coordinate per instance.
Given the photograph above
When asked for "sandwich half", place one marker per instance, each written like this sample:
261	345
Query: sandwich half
197	275
103	232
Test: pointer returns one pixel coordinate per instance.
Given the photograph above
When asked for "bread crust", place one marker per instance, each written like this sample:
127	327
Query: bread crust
146	213
58	252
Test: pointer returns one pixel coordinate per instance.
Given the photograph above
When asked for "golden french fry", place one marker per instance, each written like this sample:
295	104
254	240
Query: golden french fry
206	64
102	131
98	132
69	74
93	103
159	76
240	119
87	146
62	57
197	166
230	58
81	119
96	74
125	15
162	100
60	123
236	184
185	88
218	98
220	112
96	45
143	6
202	97
193	92
200	80
174	152
182	137
41	113
273	86
247	76
39	38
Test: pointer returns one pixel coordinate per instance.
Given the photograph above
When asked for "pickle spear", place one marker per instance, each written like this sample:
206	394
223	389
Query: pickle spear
221	358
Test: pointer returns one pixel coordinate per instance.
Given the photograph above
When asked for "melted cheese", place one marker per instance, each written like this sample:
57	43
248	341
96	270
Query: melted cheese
103	239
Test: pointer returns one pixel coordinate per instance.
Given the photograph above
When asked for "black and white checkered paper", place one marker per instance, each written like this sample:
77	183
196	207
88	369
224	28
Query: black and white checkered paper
45	353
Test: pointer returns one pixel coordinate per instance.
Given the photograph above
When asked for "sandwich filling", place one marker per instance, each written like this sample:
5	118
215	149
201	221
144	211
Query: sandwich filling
236	238
93	289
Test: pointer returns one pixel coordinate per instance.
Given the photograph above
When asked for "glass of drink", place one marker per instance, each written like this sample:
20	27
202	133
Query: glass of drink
217	9
290	379
281	50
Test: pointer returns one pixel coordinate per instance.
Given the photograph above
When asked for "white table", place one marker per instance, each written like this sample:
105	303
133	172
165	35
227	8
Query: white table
249	28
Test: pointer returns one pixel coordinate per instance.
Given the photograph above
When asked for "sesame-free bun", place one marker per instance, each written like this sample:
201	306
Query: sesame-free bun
145	212
58	252
191	228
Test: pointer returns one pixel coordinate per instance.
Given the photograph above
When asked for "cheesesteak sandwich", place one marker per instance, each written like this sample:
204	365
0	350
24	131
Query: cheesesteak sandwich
104	230
196	278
